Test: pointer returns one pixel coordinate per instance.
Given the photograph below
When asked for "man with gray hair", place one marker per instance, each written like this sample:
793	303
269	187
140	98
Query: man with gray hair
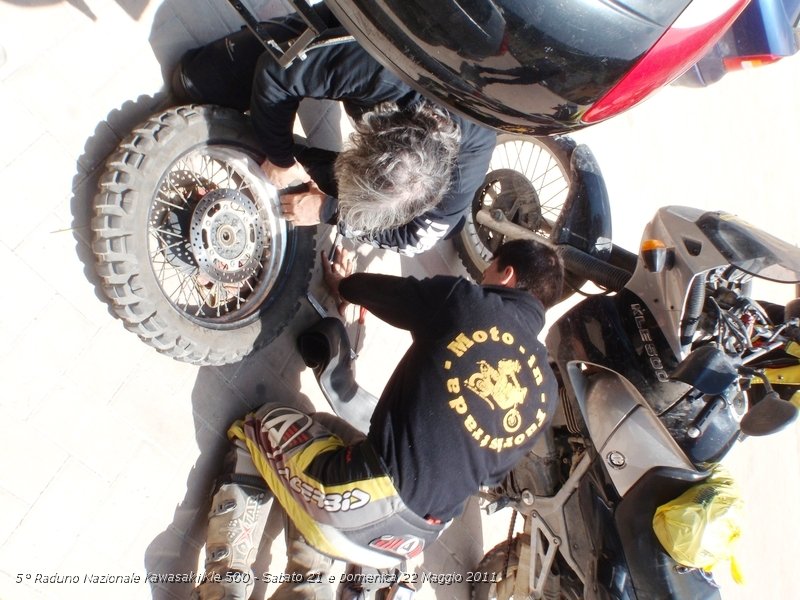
410	171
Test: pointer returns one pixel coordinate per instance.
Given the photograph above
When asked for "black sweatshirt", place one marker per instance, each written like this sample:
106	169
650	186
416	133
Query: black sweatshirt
347	73
468	398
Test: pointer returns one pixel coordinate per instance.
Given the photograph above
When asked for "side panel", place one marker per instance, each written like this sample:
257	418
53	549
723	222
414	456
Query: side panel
620	334
628	436
654	573
606	570
627	561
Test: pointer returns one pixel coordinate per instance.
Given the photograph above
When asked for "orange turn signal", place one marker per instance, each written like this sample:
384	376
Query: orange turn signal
654	255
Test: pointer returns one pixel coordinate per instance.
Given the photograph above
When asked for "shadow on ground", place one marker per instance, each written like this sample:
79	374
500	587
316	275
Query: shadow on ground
134	8
222	395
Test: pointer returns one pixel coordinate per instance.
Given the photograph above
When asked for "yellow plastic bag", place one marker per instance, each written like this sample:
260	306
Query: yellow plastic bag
701	527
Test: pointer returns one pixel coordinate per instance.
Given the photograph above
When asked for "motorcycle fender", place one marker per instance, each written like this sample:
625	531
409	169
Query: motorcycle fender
627	434
585	220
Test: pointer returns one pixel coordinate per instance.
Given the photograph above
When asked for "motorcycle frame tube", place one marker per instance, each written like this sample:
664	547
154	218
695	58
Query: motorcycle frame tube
581	518
607	540
579	522
551	520
616	417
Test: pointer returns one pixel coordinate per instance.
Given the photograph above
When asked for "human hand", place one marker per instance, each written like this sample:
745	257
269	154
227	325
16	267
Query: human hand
333	271
283	177
303	208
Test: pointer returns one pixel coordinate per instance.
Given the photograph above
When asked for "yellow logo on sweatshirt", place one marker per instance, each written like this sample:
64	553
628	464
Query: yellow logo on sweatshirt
496	384
500	388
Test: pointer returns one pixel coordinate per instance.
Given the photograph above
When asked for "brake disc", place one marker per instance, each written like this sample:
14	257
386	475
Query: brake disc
167	225
227	237
512	193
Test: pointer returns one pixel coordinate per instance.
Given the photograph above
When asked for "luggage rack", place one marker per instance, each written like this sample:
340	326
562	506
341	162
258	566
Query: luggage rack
316	34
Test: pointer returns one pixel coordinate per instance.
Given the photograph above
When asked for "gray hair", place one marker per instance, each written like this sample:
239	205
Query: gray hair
396	167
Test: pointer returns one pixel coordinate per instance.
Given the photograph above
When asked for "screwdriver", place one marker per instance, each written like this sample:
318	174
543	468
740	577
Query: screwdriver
337	238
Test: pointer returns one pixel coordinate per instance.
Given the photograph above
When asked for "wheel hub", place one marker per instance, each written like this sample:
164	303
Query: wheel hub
512	192
226	236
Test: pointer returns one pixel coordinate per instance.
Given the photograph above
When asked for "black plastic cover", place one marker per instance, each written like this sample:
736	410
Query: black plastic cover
516	65
620	333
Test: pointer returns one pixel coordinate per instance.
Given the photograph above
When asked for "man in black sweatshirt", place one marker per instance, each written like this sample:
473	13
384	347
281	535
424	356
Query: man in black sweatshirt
463	406
409	174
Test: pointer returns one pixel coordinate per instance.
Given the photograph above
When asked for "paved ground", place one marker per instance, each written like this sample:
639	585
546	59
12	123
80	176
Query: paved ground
109	447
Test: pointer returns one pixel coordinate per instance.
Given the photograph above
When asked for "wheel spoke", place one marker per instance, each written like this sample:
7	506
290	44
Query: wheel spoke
161	200
211	253
534	201
527	171
532	175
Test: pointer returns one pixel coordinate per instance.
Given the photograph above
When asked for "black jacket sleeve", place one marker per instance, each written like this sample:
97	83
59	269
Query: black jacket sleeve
339	72
403	302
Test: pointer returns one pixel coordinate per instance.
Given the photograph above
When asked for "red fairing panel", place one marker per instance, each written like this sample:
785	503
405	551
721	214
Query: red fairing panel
689	38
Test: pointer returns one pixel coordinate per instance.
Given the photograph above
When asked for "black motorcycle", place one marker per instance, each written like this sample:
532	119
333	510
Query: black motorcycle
661	373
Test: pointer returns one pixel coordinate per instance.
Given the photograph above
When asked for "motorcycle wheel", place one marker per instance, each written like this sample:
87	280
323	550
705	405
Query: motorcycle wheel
499	566
528	179
190	247
498	576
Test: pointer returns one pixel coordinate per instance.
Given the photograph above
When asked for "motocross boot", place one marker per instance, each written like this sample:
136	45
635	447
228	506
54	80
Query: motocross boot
238	515
361	583
307	570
